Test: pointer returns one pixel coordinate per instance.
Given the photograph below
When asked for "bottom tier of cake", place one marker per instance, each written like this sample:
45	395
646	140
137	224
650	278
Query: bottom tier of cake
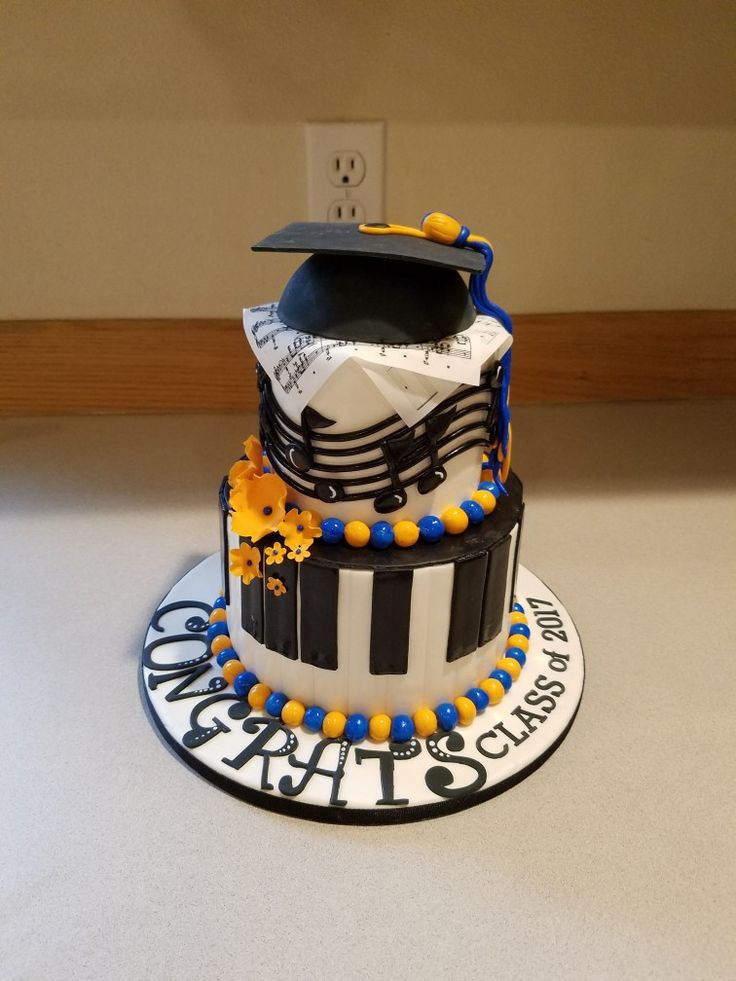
360	630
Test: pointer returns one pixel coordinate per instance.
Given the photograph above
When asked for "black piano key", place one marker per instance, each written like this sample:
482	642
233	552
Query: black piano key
251	599
318	591
495	591
517	552
390	620
224	544
280	628
467	600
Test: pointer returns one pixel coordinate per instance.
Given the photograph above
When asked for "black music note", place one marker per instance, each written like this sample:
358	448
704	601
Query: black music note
301	455
329	492
435	427
394	450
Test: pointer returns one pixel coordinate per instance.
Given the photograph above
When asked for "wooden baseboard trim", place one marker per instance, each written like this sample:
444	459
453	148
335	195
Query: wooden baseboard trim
54	367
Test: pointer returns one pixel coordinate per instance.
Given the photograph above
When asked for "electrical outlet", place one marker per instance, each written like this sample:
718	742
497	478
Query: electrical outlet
345	166
346	209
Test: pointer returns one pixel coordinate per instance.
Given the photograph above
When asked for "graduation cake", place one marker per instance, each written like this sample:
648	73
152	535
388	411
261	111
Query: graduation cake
370	535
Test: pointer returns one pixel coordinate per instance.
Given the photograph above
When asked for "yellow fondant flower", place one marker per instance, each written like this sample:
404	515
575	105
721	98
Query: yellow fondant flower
275	554
276	585
299	552
258	506
239	472
245	562
254	452
300	528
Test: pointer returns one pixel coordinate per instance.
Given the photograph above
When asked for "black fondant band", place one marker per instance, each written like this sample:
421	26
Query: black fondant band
467	599
224	542
251	599
280	632
517	554
319	593
492	611
390	621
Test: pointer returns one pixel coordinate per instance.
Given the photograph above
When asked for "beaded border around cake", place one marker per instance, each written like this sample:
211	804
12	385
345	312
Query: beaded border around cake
260	759
356	727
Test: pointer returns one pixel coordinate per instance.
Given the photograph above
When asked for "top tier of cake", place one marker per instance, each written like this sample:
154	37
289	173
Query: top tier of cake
352	456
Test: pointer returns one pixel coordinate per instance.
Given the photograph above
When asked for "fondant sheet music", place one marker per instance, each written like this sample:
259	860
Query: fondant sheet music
300	364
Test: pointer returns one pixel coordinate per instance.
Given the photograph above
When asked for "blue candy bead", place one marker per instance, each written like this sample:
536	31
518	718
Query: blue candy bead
490	486
382	534
519	629
244	682
332	530
517	654
227	655
474	511
267	470
216	630
219	603
431	528
356	727
446	716
314	717
402	729
275	702
517	608
478	697
503	676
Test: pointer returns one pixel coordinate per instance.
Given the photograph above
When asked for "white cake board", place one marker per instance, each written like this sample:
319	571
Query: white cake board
257	758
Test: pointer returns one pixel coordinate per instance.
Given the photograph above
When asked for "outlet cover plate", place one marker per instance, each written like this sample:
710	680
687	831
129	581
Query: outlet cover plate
330	147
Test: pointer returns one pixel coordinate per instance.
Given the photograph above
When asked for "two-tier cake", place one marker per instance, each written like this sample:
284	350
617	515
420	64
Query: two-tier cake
370	542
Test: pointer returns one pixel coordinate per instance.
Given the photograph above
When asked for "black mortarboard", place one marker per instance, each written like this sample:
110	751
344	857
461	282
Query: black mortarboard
393	289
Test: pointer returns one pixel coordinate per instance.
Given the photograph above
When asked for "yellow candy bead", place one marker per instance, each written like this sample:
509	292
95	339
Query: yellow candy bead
466	711
217	616
511	665
517	617
518	641
292	714
357	534
406	533
494	689
334	724
379	728
258	695
220	643
231	669
455	520
486	500
425	722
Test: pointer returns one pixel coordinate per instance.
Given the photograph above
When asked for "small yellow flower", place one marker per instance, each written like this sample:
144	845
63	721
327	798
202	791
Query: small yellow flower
275	554
254	452
300	528
276	585
299	552
258	506
240	471
245	562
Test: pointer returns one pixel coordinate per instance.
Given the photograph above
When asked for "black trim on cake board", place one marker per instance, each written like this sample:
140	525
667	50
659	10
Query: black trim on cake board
437	776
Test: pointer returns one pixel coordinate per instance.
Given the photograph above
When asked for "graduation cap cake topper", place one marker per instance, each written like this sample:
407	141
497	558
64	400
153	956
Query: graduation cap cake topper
391	284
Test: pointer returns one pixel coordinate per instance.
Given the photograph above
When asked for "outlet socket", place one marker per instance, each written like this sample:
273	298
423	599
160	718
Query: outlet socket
345	168
346	209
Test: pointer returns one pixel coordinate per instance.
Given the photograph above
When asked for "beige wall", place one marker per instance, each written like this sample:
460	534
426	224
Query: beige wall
145	145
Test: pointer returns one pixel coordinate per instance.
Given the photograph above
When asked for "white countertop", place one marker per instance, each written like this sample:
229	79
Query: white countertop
614	860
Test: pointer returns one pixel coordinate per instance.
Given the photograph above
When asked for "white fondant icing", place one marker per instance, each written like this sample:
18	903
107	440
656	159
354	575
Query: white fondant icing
354	402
